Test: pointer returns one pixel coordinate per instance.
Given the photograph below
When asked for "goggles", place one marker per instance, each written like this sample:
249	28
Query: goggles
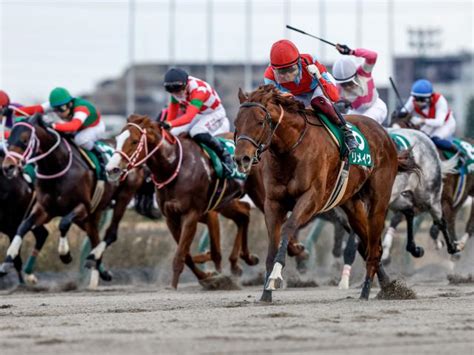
286	75
174	87
61	108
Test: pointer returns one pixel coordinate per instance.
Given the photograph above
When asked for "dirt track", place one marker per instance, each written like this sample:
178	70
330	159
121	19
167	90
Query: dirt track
129	320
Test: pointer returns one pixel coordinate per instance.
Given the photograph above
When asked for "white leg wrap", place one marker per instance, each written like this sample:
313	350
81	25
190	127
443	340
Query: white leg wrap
274	276
462	242
94	281
63	247
14	247
387	242
99	250
346	274
31	279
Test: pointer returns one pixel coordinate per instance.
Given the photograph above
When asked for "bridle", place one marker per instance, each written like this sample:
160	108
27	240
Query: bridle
29	154
143	145
259	144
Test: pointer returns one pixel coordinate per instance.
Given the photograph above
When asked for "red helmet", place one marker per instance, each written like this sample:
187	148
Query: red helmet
4	99
284	54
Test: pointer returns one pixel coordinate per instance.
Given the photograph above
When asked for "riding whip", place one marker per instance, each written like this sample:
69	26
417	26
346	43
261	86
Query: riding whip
310	35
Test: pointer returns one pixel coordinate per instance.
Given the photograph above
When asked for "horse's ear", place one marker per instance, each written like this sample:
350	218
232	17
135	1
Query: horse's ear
135	118
37	118
242	96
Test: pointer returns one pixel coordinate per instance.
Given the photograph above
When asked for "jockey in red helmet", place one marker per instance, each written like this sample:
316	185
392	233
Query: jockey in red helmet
295	73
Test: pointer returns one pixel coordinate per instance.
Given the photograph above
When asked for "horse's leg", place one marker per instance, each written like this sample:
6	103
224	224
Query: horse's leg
41	234
214	240
303	210
77	214
411	247
274	218
349	257
17	263
38	216
339	233
389	235
469	228
445	220
182	255
239	212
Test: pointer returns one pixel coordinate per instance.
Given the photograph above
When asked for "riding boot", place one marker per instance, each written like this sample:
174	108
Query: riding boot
102	162
321	105
445	144
224	156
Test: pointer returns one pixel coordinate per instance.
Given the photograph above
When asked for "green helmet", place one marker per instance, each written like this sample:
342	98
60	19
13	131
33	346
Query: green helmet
59	96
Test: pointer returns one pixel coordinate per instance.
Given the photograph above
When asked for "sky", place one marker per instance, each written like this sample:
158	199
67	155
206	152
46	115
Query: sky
77	43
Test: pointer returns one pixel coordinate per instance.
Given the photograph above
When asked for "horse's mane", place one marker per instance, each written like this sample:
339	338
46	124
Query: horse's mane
269	93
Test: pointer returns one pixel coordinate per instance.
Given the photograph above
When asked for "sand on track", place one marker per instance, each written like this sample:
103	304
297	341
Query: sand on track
151	320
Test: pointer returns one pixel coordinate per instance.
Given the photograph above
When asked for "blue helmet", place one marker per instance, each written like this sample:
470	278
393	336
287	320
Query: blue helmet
422	88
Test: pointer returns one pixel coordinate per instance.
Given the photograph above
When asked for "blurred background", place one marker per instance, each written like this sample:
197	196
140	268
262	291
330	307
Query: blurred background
115	52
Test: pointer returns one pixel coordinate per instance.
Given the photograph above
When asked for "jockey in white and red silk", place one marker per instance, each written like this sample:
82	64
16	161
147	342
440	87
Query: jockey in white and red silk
430	111
79	116
356	85
295	73
204	115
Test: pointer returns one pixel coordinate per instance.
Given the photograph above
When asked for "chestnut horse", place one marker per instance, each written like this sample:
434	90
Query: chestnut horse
186	183
450	182
65	186
17	198
300	166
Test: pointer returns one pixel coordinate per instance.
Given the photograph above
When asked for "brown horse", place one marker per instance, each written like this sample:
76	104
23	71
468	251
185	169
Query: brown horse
186	186
450	182
65	187
301	164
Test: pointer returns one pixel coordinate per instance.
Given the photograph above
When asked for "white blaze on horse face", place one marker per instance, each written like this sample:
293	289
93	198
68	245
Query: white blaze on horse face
114	162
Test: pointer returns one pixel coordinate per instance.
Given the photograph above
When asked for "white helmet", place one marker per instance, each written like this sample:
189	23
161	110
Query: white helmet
344	70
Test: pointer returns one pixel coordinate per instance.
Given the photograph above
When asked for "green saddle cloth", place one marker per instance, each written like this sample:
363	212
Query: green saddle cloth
93	161
359	156
401	141
468	150
229	145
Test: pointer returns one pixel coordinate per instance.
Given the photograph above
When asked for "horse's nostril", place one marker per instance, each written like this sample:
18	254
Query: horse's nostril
246	160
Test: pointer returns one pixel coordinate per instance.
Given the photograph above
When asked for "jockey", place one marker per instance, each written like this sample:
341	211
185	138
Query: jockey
7	111
79	117
204	117
356	84
295	73
431	112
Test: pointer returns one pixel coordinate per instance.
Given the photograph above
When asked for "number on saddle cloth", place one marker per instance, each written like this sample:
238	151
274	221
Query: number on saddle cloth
229	145
359	156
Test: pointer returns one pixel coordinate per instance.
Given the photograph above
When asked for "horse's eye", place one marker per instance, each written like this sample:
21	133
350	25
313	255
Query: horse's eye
134	141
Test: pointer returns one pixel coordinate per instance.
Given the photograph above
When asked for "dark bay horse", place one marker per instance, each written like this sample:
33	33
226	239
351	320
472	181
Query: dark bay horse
16	199
186	183
450	204
65	187
300	167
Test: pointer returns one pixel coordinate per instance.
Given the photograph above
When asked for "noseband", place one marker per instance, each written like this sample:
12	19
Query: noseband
261	147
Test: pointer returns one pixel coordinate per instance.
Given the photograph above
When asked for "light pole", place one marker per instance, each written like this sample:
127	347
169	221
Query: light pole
210	43
248	46
130	82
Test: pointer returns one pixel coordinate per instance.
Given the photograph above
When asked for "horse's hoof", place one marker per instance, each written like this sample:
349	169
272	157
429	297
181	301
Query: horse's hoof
90	263
5	268
236	270
456	256
251	259
364	295
301	266
66	258
275	279
31	279
344	283
418	252
266	297
295	249
105	275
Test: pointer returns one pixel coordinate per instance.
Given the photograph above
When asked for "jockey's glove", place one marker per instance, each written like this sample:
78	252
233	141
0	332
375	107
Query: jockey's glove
417	120
343	49
6	111
401	113
164	124
313	70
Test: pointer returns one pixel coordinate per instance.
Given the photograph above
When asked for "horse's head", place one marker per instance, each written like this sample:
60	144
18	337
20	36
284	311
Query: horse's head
132	145
21	145
259	115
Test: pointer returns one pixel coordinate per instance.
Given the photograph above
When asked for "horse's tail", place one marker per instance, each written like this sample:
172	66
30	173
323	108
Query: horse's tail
449	166
407	163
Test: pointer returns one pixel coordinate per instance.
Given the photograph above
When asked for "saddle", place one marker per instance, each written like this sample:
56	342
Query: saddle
229	145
